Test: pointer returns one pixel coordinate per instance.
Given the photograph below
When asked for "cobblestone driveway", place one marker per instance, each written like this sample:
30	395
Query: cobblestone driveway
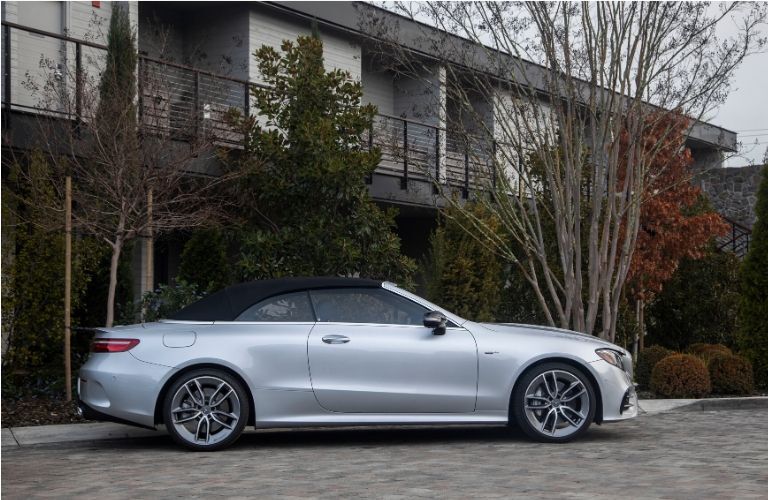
721	454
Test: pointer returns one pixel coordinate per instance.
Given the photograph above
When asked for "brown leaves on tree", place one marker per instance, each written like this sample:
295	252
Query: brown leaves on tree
674	221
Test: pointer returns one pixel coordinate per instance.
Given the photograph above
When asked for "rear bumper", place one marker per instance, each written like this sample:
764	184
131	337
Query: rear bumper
118	387
90	414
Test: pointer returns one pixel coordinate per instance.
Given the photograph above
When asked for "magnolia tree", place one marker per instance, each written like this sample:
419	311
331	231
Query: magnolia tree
137	169
553	102
304	167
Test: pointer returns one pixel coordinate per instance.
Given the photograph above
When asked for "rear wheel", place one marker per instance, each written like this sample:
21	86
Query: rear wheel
554	402
206	410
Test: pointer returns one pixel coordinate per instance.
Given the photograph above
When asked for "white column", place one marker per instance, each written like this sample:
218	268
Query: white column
442	119
507	158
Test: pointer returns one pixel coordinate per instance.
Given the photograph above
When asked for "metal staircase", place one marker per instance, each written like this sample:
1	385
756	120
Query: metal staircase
737	239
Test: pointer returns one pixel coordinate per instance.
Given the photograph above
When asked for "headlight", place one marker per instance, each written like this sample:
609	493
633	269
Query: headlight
611	356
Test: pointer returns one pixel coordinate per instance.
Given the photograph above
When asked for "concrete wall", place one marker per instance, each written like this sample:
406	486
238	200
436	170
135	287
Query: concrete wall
268	28
161	36
214	38
379	89
418	97
733	191
218	40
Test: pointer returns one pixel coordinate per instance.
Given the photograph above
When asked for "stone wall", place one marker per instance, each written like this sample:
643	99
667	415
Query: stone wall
733	191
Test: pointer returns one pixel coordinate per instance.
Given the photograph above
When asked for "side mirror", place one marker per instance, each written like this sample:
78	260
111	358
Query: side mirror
437	321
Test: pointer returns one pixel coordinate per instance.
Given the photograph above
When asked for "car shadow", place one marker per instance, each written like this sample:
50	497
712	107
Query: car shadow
379	436
401	435
384	436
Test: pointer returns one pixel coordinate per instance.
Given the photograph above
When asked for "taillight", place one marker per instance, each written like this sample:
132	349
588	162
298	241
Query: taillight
113	345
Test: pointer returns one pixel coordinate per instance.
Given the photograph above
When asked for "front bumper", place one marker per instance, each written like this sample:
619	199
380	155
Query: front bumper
120	388
618	392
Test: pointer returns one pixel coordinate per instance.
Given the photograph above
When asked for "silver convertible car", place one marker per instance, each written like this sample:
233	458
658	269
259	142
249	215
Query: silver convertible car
344	351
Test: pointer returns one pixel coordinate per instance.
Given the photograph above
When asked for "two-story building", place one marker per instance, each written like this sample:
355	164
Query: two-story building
205	49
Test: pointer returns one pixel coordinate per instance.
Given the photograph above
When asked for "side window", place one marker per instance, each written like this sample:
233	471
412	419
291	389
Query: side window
287	307
366	305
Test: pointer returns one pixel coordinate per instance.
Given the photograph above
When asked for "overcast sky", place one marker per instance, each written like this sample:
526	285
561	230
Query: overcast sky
746	110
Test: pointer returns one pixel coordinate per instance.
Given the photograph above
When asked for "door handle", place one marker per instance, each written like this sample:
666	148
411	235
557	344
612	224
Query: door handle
335	339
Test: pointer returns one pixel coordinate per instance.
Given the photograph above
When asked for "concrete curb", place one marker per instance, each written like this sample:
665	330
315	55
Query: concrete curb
653	406
20	437
753	403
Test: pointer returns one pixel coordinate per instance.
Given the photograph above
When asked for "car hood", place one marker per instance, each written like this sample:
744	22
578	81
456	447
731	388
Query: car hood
551	332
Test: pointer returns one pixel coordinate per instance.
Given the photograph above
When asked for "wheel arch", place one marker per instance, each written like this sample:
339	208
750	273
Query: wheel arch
582	367
186	369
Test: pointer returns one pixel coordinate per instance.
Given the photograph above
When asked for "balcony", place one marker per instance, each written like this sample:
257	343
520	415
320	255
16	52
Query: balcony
182	102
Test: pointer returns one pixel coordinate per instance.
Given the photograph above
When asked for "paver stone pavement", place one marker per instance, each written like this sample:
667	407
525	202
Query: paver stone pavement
679	454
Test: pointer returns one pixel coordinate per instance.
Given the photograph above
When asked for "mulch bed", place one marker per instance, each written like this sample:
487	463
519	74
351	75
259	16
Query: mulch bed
38	411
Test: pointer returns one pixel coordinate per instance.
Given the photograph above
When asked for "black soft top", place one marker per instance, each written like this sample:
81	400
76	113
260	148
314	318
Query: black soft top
227	304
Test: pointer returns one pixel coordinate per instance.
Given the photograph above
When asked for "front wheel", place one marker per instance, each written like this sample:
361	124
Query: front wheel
206	410
554	402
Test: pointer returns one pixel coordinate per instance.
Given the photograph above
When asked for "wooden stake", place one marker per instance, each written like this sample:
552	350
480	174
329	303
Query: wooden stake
68	288
641	324
150	247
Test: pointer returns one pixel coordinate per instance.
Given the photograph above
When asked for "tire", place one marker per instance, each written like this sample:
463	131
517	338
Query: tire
566	398
206	409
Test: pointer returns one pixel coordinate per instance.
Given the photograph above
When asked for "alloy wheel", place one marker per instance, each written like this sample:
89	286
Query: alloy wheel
205	411
557	404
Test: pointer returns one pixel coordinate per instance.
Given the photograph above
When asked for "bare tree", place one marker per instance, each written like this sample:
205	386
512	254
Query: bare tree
140	156
552	101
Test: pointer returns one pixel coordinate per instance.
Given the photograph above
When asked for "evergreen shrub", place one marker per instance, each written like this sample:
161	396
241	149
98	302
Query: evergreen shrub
753	311
680	376
707	351
730	374
646	361
204	261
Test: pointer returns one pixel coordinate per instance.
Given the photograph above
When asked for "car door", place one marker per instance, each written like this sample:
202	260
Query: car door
369	352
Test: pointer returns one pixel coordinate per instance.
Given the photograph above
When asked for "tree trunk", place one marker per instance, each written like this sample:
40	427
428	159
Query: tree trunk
149	276
641	325
68	288
117	247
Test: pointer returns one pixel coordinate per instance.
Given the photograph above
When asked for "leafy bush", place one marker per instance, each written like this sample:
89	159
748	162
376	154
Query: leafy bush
168	299
33	272
204	261
707	351
680	376
675	320
467	277
45	381
462	274
33	285
646	361
92	310
730	374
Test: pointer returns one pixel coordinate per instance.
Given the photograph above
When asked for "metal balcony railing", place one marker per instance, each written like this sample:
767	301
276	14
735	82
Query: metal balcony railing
184	102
